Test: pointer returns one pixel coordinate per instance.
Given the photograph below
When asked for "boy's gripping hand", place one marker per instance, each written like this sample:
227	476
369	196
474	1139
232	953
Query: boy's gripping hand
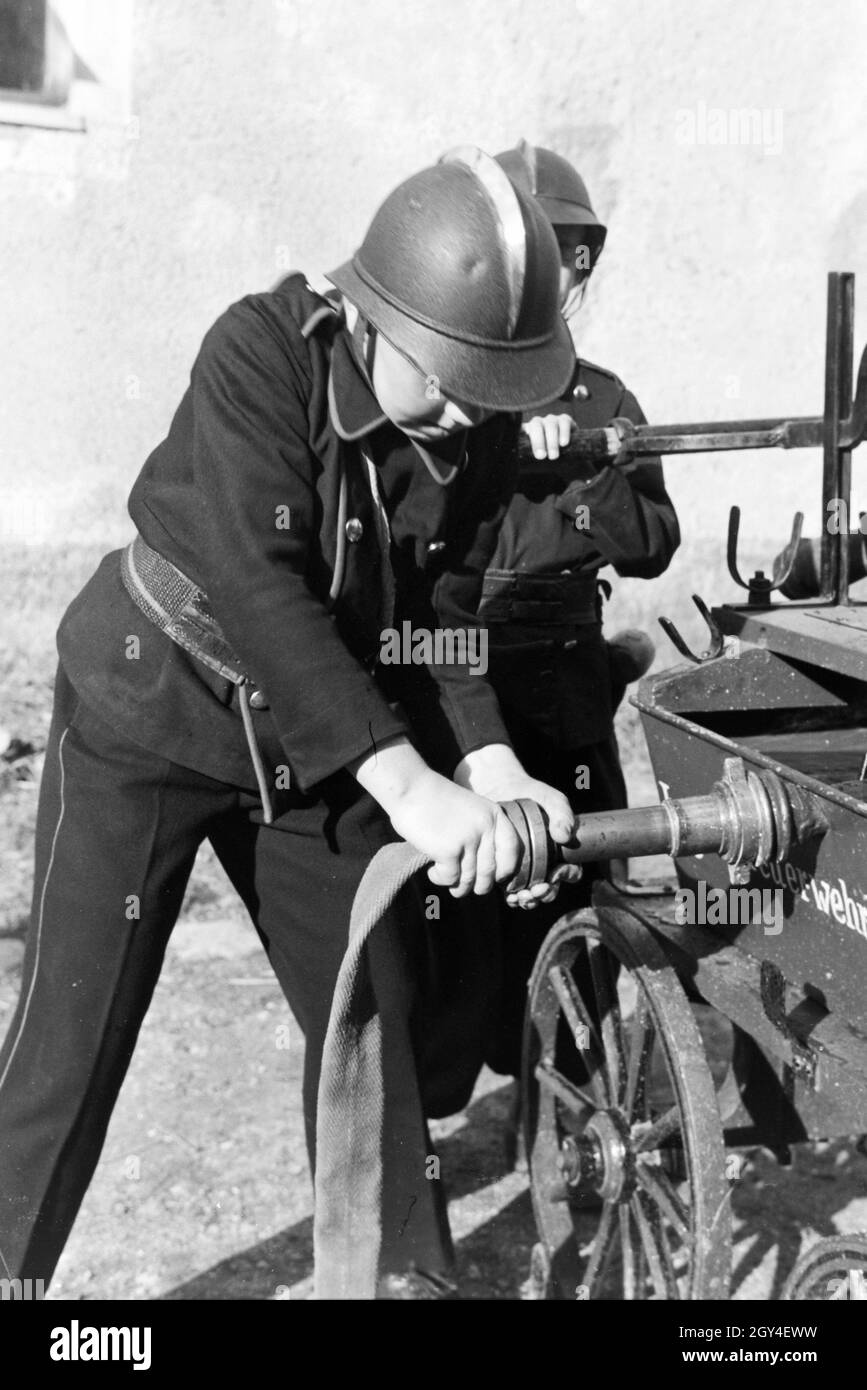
472	843
548	434
469	838
495	773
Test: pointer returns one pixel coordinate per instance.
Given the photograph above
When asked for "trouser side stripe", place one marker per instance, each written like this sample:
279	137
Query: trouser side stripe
29	999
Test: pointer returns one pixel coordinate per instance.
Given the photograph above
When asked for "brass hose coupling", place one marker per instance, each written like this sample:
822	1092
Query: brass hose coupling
750	818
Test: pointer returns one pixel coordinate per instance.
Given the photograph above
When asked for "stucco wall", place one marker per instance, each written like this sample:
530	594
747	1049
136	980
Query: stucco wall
265	132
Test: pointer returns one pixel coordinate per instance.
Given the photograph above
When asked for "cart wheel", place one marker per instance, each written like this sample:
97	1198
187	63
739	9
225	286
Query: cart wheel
622	1127
831	1270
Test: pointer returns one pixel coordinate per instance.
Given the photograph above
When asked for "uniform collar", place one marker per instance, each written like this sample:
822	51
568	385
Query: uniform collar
353	407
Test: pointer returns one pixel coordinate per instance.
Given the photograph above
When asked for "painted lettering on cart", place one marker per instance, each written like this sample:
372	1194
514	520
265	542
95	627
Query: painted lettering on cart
833	899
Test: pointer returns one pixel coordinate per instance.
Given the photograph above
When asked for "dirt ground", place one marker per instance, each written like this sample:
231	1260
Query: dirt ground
202	1191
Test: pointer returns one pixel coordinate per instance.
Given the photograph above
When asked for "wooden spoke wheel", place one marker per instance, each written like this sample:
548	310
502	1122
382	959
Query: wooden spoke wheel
621	1122
830	1271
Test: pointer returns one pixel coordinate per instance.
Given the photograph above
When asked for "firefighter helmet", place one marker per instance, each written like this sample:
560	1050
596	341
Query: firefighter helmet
459	270
558	187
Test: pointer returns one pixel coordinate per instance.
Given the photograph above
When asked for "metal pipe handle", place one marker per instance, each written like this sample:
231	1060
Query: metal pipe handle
748	818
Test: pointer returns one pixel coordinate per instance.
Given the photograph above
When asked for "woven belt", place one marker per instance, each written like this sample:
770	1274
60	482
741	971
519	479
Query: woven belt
539	600
180	609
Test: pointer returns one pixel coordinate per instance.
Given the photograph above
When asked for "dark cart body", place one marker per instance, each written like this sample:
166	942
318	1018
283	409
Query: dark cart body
627	1123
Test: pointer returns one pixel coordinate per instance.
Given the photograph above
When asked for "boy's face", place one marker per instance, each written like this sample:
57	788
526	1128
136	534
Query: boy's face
413	401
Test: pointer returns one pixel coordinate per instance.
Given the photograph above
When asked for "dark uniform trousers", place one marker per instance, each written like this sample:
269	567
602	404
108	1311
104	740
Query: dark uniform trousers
118	824
522	933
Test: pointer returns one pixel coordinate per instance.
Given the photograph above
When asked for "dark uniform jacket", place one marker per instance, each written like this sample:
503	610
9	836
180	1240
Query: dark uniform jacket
626	519
242	496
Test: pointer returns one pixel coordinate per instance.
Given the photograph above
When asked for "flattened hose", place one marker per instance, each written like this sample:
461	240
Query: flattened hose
347	1229
348	1185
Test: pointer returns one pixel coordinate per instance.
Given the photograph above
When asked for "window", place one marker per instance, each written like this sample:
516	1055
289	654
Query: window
22	47
62	61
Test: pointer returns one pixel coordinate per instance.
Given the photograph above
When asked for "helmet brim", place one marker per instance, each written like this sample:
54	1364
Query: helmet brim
564	214
515	377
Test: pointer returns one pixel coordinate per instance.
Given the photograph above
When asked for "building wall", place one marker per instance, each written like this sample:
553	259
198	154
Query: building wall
262	134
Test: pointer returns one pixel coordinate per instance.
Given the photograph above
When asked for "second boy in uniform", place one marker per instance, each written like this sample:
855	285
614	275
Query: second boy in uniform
557	680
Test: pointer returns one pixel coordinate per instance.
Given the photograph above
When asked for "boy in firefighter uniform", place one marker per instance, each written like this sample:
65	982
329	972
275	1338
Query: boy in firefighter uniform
557	680
331	472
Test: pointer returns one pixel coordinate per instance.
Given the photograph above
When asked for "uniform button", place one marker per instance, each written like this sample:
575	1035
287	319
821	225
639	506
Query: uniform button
434	546
257	700
354	530
581	392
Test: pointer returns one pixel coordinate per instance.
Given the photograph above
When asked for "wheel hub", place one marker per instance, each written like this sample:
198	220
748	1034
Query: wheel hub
600	1159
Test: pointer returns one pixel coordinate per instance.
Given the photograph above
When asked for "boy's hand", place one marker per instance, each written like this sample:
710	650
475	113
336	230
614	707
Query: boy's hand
495	773
548	434
459	824
471	841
